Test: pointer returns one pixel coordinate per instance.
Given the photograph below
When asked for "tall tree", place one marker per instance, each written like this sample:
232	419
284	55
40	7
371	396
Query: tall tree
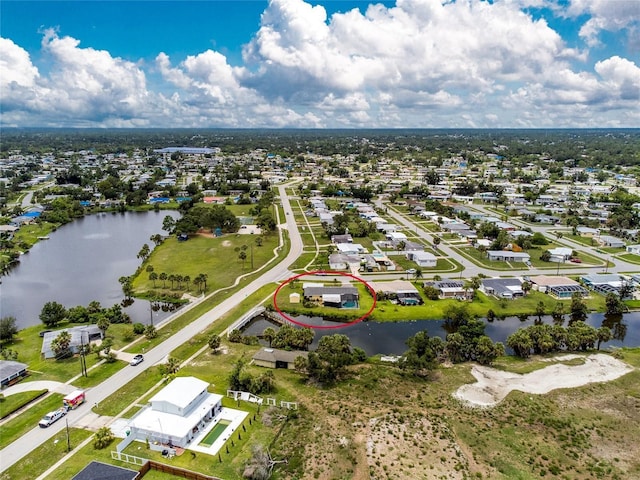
8	328
52	314
578	308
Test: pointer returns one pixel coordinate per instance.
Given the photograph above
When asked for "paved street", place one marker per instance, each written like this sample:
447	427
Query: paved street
35	437
471	269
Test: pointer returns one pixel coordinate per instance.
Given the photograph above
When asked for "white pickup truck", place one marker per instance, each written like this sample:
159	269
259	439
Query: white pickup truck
51	417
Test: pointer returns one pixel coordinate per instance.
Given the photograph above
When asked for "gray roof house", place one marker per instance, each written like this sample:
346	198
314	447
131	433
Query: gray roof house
11	372
103	471
274	358
339	297
81	335
502	287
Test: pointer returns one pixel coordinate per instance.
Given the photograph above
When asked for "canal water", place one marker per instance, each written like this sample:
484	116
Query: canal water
389	338
82	261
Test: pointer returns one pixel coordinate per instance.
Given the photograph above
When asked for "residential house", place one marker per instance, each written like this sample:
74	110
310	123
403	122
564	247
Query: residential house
507	256
450	288
635	249
587	231
347	238
274	358
103	471
604	283
402	291
423	259
80	336
336	297
559	287
560	254
176	413
341	261
11	372
509	288
609	241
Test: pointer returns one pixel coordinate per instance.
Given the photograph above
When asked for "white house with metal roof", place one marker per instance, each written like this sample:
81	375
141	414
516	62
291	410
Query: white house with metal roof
177	413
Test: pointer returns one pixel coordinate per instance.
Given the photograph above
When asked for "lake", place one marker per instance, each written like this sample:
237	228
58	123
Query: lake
82	261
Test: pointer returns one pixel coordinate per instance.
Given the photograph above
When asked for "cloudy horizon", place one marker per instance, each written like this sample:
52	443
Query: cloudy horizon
323	64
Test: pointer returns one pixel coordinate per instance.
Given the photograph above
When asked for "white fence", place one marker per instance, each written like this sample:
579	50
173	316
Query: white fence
123	457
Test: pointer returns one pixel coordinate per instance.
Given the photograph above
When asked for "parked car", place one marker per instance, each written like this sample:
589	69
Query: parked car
52	417
411	271
575	260
138	359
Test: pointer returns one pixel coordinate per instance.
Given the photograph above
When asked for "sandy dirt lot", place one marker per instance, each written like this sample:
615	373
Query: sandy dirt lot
493	385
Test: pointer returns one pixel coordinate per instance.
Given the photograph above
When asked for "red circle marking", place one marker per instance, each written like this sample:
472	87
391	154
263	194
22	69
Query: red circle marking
324	327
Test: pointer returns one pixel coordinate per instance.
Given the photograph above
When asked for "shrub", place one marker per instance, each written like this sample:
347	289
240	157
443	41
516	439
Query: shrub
138	328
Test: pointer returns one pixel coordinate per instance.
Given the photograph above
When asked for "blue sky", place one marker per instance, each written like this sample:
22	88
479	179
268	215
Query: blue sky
291	63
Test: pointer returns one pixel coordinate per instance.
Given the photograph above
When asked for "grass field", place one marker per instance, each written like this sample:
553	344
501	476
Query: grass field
218	258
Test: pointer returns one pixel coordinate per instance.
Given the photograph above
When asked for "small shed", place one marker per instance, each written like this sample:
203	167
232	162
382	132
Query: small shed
294	297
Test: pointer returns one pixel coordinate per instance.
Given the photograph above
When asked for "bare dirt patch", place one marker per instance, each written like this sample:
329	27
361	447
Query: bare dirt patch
493	385
227	243
401	447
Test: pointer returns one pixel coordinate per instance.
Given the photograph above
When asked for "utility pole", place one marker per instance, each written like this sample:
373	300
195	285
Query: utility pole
251	256
68	438
83	360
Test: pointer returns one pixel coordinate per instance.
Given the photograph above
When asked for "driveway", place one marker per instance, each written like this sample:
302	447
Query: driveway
55	387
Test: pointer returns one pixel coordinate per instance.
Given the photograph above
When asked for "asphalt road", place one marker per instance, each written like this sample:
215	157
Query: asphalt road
35	437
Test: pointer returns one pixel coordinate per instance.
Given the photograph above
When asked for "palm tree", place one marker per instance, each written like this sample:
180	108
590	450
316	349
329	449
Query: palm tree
204	277
153	276
163	277
171	278
269	334
186	280
179	280
418	273
197	282
242	256
172	365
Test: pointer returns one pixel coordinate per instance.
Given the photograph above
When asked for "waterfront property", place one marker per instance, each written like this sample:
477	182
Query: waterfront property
451	289
337	297
605	283
559	287
401	290
80	336
502	287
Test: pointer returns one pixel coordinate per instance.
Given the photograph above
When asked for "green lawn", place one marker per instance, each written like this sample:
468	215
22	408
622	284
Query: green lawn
215	257
28	419
630	257
11	403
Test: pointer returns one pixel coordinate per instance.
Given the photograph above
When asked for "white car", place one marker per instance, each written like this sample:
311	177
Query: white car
138	359
411	271
52	417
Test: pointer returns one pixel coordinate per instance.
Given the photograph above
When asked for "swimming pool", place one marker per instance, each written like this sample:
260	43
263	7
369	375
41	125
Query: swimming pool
215	432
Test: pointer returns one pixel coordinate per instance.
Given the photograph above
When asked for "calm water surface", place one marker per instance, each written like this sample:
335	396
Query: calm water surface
82	261
389	338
